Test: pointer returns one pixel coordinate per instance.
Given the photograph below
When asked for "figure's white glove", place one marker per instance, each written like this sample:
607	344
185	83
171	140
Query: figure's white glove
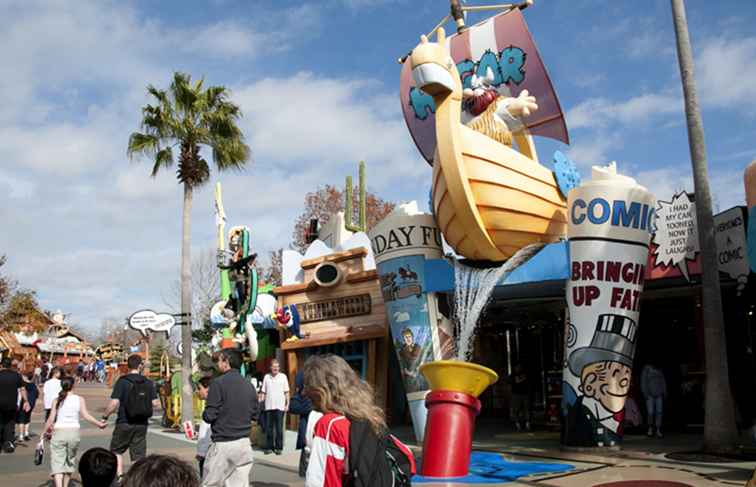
523	105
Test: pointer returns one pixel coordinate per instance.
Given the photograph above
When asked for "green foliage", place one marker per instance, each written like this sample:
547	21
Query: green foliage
22	308
189	116
156	354
203	335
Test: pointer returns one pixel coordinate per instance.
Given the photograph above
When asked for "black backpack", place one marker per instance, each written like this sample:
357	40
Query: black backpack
378	461
138	405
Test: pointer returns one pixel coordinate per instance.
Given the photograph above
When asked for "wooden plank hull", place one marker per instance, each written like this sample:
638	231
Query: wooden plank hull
510	200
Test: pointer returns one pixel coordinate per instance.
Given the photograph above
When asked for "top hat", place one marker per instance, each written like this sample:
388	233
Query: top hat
613	341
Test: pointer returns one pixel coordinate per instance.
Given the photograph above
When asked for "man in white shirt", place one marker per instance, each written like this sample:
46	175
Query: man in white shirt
51	390
275	393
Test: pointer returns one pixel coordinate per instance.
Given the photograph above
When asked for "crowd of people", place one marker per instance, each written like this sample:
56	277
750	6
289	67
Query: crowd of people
331	400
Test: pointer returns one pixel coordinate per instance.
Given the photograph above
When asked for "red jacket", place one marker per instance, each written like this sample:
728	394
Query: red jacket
329	452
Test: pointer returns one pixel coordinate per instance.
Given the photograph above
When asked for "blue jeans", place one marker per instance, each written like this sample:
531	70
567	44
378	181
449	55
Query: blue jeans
655	410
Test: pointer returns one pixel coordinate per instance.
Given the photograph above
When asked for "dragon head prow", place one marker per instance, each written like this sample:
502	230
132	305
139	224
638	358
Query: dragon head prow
433	68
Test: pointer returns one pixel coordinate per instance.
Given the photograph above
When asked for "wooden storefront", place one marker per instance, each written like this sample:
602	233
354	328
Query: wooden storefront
342	312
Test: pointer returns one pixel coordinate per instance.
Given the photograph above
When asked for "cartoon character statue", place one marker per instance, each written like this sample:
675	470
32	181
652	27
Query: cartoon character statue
287	318
239	268
604	368
492	111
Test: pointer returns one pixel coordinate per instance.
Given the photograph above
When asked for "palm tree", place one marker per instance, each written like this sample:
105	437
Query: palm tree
188	116
720	430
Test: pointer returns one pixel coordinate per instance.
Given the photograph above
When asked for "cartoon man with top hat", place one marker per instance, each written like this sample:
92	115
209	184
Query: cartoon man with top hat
604	368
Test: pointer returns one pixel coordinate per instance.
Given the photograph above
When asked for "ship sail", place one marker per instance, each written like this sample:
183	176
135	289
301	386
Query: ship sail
504	44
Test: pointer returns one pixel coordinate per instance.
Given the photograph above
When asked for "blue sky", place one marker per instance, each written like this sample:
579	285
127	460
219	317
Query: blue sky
318	84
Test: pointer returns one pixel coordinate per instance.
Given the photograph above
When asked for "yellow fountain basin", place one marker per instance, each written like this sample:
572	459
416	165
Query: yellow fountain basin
458	376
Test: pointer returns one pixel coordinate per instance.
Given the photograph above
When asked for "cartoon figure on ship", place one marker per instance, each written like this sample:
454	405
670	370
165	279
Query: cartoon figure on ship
492	112
595	413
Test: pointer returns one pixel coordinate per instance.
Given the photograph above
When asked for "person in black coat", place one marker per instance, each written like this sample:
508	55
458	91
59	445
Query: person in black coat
302	406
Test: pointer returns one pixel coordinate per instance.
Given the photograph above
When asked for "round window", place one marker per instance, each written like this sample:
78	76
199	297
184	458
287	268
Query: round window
327	274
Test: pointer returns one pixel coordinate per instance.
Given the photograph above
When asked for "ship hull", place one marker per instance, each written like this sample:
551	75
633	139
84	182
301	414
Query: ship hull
493	200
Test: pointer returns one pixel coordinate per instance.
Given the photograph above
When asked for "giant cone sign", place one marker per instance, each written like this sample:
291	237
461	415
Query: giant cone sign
610	223
402	242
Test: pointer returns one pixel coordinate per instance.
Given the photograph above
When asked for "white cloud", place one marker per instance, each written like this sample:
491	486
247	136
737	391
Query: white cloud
92	232
726	185
725	72
591	151
601	112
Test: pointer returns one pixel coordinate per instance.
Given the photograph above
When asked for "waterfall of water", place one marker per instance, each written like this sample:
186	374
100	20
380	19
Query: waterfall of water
472	291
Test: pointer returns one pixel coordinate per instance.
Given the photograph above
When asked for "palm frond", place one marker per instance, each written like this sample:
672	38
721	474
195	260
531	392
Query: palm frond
143	144
163	158
184	94
189	115
230	152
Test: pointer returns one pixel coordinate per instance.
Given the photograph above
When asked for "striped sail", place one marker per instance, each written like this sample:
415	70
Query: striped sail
504	44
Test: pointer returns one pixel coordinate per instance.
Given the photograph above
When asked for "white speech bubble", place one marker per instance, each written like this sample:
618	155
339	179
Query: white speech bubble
149	320
676	233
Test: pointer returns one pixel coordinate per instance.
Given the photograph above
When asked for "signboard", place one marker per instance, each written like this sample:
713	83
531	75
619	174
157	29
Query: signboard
676	236
149	320
329	309
732	248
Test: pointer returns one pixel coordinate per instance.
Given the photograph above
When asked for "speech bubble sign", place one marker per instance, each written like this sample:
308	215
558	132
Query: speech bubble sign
676	233
149	320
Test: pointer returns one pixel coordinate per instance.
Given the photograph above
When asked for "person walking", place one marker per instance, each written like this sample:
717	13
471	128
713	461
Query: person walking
521	398
349	414
11	387
134	397
23	418
64	425
51	390
203	437
654	389
230	407
275	392
38	374
301	405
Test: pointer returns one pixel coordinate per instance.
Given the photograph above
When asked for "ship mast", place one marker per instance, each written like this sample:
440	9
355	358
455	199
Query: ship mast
458	11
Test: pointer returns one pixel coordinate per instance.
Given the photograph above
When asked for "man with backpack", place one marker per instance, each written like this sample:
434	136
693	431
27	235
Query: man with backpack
134	397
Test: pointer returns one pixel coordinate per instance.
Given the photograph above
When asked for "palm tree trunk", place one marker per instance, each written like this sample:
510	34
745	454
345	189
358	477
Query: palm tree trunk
187	409
720	430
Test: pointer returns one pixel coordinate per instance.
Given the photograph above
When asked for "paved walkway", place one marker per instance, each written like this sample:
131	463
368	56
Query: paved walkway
641	463
18	469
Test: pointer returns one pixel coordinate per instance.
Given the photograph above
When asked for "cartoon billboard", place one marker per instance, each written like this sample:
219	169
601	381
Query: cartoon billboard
401	244
610	223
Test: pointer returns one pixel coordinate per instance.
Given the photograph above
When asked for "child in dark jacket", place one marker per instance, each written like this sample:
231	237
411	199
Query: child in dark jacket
23	418
301	406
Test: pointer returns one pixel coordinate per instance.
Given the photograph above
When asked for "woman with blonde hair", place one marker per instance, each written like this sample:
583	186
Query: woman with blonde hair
348	407
64	424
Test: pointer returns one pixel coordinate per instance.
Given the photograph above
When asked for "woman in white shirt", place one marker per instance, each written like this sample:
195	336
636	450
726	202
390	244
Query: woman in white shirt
64	423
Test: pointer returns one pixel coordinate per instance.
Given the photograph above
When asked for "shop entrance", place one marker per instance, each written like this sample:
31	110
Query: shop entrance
528	334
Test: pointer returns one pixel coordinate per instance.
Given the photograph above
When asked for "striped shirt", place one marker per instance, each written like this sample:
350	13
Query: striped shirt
329	453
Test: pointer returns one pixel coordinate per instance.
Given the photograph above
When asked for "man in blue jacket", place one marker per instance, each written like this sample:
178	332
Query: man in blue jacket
230	407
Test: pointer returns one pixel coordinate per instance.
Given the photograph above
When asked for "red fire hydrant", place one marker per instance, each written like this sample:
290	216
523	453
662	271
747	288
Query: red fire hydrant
449	433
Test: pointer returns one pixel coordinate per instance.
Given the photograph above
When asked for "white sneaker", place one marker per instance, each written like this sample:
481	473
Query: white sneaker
650	432
659	433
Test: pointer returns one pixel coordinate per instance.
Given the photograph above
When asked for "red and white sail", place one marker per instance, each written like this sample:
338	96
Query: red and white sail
503	43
